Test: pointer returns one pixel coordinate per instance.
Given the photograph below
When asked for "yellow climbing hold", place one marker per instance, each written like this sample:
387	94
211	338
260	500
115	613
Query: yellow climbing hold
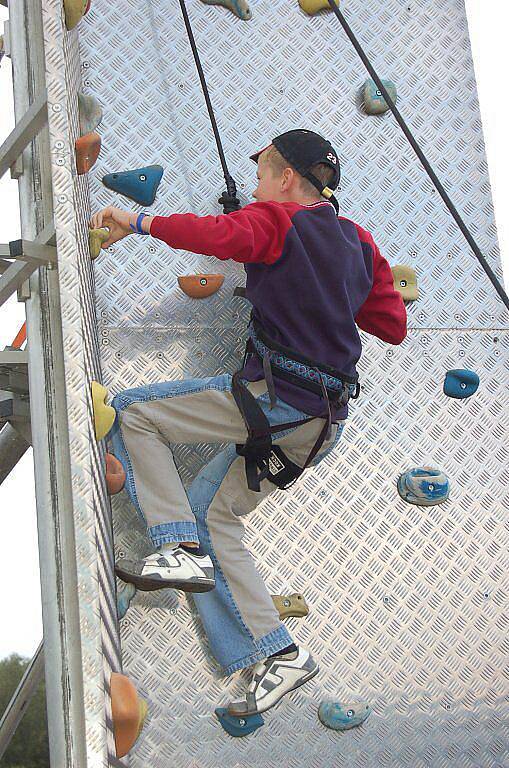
104	415
290	605
239	7
313	6
74	11
96	237
405	281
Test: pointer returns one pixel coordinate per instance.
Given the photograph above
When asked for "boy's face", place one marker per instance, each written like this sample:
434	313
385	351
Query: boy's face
269	185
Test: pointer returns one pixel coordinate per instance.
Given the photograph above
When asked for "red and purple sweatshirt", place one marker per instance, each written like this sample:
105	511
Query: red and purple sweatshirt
312	278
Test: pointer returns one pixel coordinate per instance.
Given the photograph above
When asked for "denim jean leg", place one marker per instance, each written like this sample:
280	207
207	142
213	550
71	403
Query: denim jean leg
230	640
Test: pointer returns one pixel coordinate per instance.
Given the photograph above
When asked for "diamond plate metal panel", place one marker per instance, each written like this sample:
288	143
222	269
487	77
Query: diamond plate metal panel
407	603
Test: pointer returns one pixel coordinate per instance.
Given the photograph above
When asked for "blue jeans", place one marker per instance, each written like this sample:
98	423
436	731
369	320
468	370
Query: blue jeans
239	616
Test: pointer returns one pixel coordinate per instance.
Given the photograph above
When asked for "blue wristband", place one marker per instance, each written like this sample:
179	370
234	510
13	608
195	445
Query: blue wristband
138	228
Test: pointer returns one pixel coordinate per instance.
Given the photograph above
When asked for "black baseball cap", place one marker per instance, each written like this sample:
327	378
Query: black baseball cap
303	149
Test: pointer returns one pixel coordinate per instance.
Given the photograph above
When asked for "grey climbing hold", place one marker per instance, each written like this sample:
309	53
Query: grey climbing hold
239	7
139	185
424	486
238	726
90	112
374	102
343	715
461	383
125	594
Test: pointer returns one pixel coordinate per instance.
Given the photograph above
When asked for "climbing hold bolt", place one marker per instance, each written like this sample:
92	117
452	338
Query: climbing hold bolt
461	383
90	112
96	237
405	281
200	286
139	184
87	152
115	474
313	6
291	605
104	415
74	11
238	726
424	486
128	712
125	594
374	102
239	7
342	715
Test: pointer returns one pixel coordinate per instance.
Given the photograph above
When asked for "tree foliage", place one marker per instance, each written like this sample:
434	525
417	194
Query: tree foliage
29	746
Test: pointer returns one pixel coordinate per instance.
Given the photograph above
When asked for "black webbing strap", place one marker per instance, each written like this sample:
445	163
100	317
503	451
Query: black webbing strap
258	450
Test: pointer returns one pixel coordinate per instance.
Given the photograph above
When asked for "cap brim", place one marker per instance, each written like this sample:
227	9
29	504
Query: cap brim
256	155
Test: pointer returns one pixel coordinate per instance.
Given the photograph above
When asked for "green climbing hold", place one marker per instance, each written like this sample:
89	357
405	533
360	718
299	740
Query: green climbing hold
374	102
139	184
74	11
238	726
239	7
96	237
405	281
90	112
341	716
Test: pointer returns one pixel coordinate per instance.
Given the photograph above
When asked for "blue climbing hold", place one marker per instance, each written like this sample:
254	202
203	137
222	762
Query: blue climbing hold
461	383
238	726
125	594
374	102
424	486
340	716
139	185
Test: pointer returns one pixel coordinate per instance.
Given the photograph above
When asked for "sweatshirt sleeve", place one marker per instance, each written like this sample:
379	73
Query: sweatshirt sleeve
256	233
383	314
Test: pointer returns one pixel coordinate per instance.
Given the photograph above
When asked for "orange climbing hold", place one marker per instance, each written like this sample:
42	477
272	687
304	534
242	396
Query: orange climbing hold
128	712
200	286
115	474
87	152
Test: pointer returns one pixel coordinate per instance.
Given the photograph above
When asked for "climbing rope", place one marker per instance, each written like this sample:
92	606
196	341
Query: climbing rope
229	199
420	154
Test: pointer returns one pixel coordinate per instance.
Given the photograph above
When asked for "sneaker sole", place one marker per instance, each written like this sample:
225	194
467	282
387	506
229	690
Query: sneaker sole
293	688
147	584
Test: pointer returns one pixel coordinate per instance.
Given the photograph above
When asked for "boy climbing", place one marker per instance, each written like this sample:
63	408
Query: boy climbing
312	276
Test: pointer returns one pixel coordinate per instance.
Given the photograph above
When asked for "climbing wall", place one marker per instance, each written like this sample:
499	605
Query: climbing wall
406	602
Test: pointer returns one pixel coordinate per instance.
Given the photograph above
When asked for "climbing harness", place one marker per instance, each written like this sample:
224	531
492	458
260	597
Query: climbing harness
263	459
228	199
420	154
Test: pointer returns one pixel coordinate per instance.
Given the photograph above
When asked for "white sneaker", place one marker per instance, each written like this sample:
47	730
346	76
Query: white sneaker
273	678
176	569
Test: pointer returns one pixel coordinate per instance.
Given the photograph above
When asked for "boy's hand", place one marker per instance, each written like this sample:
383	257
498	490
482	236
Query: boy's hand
116	220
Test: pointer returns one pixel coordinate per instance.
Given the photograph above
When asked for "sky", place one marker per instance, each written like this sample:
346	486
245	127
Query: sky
20	596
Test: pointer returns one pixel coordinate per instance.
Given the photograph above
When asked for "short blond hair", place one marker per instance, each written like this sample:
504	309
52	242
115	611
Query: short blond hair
277	163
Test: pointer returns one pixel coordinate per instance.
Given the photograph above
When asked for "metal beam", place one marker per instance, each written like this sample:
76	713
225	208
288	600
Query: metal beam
14	277
13	408
21	698
13	447
27	250
4	264
26	129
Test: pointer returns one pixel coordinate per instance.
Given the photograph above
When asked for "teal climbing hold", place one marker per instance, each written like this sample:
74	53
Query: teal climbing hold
461	383
238	726
424	486
139	184
340	716
125	594
374	102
